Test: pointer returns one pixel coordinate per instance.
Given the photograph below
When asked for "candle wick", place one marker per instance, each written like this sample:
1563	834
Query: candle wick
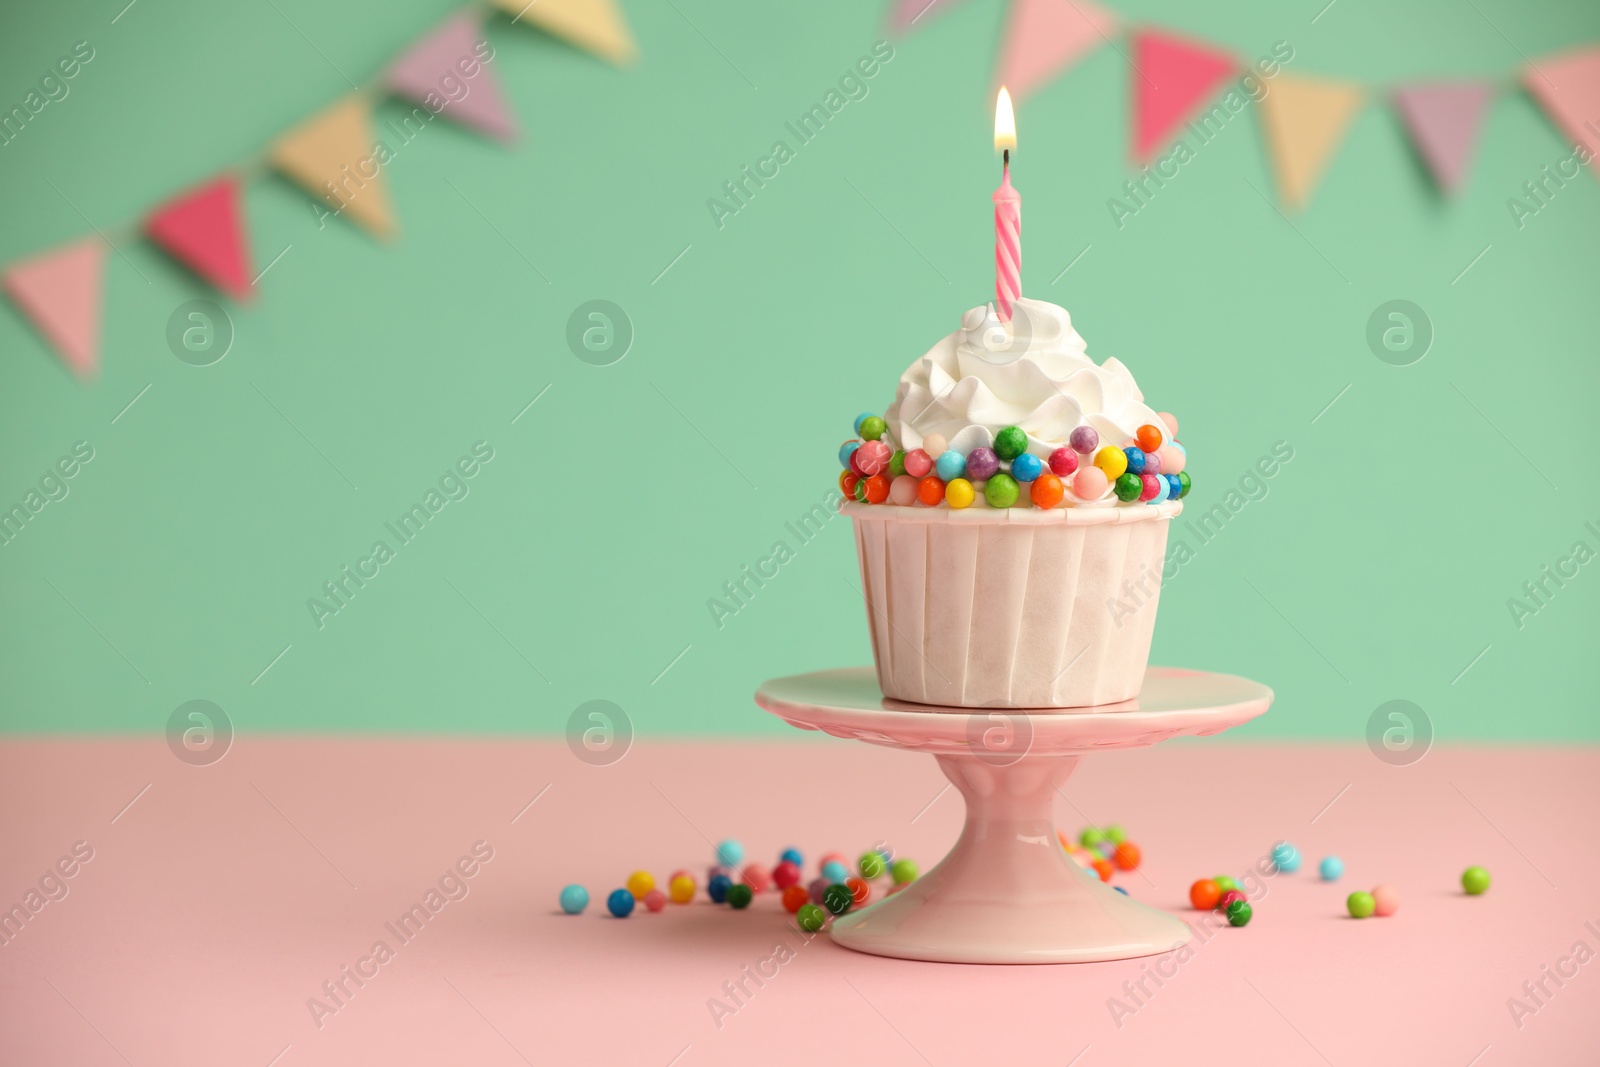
1005	157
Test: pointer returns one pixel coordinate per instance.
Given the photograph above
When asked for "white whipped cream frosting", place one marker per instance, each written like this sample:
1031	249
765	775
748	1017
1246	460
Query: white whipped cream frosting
1034	374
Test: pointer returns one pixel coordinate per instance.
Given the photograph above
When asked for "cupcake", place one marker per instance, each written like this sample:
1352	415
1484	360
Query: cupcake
1010	512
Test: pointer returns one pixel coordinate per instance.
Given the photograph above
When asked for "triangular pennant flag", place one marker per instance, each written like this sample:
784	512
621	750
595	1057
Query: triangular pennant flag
1443	119
1567	86
331	154
1305	119
59	291
1045	37
911	13
204	230
593	25
1172	77
447	53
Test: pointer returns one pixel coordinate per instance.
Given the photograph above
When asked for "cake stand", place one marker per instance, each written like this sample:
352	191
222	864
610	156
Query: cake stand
1007	892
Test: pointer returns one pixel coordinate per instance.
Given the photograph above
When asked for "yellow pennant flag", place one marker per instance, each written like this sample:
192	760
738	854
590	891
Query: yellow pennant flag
335	155
1304	120
594	25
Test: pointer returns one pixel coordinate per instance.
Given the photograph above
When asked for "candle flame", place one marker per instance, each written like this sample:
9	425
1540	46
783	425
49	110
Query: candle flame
1005	122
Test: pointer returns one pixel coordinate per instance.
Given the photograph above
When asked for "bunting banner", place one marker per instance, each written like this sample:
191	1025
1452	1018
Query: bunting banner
594	25
59	292
1567	86
1443	119
447	73
1045	37
204	230
1172	78
333	155
1304	120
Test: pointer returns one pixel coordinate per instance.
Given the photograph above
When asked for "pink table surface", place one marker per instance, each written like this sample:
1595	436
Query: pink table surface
223	898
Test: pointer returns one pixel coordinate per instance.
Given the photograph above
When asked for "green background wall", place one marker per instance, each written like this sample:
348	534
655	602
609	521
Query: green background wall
1377	567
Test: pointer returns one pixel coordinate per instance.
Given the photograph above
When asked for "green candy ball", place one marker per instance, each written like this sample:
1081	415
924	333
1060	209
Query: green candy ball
1116	834
870	865
838	898
1091	838
739	896
1183	484
810	918
1001	491
903	872
1225	883
1474	880
897	463
1361	905
872	428
1239	912
860	491
1129	486
1010	443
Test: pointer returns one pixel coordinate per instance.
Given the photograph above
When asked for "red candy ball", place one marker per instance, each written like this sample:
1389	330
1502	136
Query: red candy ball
930	491
1150	487
1229	897
795	897
757	877
918	463
878	489
1063	461
655	900
1148	437
785	875
871	458
860	891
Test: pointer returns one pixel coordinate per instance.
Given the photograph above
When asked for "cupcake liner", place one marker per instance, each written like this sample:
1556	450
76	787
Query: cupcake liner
1011	608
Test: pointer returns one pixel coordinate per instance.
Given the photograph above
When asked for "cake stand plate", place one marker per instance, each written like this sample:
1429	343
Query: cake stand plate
1007	892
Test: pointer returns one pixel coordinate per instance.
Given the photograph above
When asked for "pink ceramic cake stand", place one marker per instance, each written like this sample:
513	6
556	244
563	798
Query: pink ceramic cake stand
1007	892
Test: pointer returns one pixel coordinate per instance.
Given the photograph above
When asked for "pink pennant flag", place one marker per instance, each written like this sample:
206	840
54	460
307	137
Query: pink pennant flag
59	291
910	13
447	70
1567	86
1045	37
203	229
1172	77
1444	119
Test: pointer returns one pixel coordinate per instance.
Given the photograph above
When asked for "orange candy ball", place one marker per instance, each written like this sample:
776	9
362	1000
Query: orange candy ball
794	898
847	483
930	491
1127	856
1102	867
860	891
877	489
1204	894
1148	437
1046	491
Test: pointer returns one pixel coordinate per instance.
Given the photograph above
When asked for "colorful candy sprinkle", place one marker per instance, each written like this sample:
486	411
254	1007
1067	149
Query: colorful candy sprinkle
739	896
897	463
1010	443
847	482
959	492
1001	491
903	490
1148	437
1183	480
1360	905
786	874
871	428
811	918
982	463
655	900
1229	896
1126	856
870	865
930	491
837	899
1239	912
845	451
877	488
1204	894
1112	461
1134	458
950	465
792	855
835	872
1047	491
816	888
730	853
620	903
861	418
795	897
1286	857
1474	881
1091	837
1331	868
1385	900
757	877
717	888
681	888
640	883
903	872
1084	440
1026	467
1171	422
1225	883
1128	487
934	444
1116	834
1063	461
918	463
860	891
871	458
1090	483
574	898
1149	487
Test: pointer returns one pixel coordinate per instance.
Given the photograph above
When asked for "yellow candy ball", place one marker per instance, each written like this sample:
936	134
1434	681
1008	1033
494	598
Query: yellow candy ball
682	889
1113	461
959	493
640	883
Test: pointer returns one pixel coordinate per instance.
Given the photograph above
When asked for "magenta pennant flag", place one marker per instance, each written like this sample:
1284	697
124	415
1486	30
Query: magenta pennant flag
1045	37
1567	86
59	291
448	74
1444	119
1172	77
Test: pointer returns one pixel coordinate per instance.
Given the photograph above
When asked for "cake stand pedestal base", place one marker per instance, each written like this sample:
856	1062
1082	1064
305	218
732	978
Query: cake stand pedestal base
1007	892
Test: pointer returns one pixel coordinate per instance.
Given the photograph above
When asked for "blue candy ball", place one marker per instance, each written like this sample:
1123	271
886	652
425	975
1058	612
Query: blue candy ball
717	888
1163	490
844	453
835	872
1026	467
574	898
1286	856
620	902
730	853
1135	459
1174	487
791	855
863	417
950	465
1332	867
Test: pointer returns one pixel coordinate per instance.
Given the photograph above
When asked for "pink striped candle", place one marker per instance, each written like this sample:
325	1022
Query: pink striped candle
1007	215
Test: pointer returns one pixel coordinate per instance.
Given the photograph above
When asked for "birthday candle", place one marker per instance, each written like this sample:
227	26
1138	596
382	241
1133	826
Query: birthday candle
1007	215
